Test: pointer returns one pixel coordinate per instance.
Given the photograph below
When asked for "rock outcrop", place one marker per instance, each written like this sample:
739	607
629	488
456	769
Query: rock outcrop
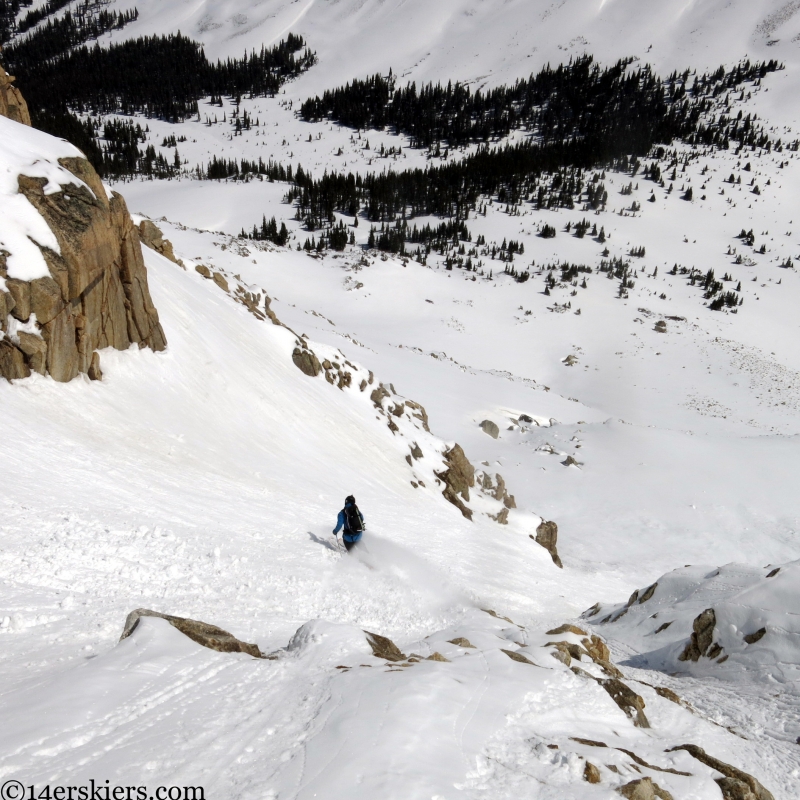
547	537
201	632
736	784
306	362
644	789
490	428
458	478
12	103
383	647
630	702
96	294
153	237
701	642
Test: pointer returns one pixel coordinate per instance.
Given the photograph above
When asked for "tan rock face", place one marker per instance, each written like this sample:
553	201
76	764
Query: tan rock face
96	295
644	789
701	641
547	537
12	103
306	362
591	774
151	236
201	632
383	647
630	702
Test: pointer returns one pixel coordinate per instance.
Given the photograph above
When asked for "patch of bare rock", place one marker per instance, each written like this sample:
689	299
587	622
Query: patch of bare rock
201	632
12	103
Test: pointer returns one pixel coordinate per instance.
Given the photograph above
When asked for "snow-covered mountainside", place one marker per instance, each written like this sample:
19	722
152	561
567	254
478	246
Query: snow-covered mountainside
610	340
735	622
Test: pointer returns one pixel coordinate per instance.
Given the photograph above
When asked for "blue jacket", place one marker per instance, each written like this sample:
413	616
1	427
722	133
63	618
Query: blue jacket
341	522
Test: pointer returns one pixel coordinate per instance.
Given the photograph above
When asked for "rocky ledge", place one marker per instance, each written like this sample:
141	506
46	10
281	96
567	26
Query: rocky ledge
94	292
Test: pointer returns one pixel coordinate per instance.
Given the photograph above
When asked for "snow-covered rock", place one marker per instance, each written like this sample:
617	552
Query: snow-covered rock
736	622
72	278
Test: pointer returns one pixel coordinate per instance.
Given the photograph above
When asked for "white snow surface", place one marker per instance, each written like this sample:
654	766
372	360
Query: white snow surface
26	151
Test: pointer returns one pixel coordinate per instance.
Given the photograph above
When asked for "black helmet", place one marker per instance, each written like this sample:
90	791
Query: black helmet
349	500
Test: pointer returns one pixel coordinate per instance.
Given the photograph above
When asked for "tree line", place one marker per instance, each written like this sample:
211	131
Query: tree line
577	99
158	76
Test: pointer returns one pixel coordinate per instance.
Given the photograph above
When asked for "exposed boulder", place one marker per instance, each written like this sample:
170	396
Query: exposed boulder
250	300
383	647
453	498
514	656
95	373
377	396
701	640
96	295
564	646
630	702
501	493
501	517
567	628
644	789
596	648
221	281
756	636
561	654
591	774
20	291
438	657
417	411
648	593
152	236
490	428
306	362
12	103
733	789
733	777
458	478
12	362
461	642
460	474
547	537
35	350
201	632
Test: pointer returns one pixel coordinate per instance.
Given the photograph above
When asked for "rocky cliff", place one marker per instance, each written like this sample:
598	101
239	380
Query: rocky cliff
12	103
91	291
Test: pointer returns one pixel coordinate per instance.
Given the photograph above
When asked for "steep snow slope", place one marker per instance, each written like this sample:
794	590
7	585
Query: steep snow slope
482	42
203	481
676	433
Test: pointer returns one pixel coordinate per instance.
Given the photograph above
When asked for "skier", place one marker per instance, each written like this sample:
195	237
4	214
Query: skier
352	520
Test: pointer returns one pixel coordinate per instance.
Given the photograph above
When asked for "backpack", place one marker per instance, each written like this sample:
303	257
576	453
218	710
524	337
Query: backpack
352	517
